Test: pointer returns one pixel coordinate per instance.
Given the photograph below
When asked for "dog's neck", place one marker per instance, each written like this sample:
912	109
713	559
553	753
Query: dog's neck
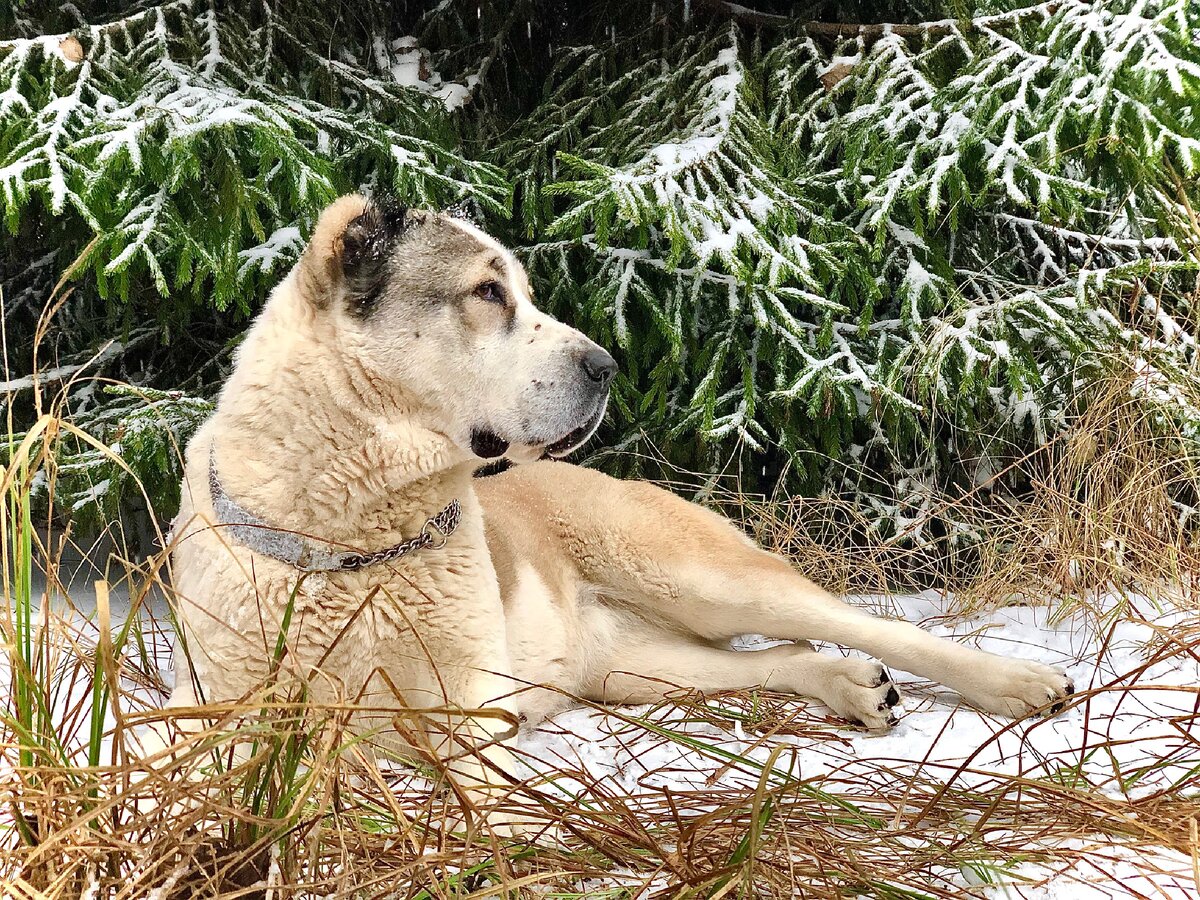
353	458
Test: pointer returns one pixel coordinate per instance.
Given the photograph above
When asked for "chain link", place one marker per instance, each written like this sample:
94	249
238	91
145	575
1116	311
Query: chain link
442	525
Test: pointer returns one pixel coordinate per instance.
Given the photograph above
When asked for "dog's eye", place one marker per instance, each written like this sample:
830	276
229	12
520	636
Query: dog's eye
491	292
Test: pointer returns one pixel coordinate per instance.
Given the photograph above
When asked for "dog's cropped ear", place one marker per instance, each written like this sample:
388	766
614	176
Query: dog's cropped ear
319	274
347	254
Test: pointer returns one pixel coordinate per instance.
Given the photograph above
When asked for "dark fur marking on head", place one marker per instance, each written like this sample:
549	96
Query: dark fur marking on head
362	305
366	245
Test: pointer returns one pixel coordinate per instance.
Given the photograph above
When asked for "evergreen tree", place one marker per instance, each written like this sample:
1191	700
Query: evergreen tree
883	258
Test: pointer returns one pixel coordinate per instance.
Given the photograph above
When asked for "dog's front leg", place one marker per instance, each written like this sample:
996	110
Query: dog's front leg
470	742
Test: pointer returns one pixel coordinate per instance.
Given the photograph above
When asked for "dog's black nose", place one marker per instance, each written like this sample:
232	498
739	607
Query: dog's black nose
600	367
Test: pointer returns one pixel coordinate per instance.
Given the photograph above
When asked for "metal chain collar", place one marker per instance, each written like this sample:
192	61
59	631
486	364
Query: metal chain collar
437	528
310	556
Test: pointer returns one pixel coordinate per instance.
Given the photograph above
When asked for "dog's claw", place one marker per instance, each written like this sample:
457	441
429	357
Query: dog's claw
1058	707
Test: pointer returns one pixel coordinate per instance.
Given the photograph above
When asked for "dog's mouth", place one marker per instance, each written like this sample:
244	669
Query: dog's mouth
577	437
487	444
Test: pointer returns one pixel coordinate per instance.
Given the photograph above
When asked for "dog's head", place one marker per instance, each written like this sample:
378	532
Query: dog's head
429	303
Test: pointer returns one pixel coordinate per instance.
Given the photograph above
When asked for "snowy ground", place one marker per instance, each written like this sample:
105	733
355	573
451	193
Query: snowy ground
1146	716
1138	666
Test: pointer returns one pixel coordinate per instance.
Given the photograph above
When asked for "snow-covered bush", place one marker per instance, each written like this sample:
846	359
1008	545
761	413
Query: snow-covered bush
876	260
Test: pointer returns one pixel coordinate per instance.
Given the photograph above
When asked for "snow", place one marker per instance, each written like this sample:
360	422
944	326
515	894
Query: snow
722	241
212	55
140	222
406	64
453	95
410	68
92	495
918	281
402	156
51	46
839	61
1141	709
284	245
666	161
58	373
1105	871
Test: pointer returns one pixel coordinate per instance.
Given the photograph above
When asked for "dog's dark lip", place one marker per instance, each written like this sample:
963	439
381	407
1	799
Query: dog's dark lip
576	437
486	444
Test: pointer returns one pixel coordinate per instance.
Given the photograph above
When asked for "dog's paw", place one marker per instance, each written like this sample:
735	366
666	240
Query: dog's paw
860	690
1018	688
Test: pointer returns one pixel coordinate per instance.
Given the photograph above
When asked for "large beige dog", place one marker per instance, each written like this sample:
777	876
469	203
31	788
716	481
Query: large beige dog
402	349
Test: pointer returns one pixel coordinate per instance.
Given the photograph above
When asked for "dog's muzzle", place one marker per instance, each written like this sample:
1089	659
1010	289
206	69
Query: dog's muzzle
579	436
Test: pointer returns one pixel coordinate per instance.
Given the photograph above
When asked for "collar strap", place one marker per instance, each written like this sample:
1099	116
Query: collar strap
316	556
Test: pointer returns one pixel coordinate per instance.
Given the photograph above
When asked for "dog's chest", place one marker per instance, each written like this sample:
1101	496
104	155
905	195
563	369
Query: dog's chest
395	594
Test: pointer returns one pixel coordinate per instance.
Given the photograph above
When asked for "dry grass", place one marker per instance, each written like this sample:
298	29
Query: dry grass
1111	502
302	811
276	798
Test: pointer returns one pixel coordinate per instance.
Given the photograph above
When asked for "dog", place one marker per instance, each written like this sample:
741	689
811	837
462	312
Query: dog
331	492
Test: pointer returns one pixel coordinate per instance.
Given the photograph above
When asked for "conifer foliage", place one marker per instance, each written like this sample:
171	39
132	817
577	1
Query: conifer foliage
883	247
